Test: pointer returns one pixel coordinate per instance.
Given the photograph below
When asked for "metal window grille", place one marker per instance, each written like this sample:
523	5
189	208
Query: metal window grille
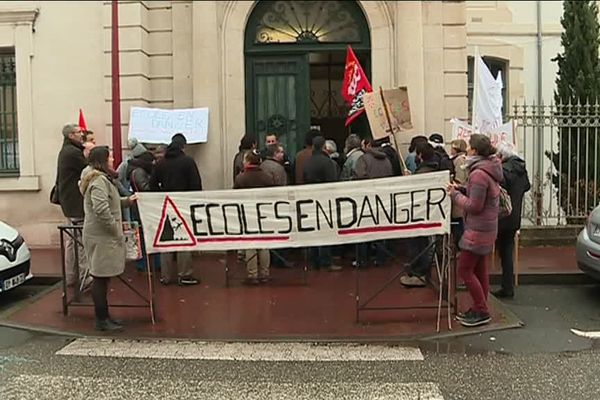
9	142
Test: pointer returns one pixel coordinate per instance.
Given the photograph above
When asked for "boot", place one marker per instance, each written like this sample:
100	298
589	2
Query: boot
108	325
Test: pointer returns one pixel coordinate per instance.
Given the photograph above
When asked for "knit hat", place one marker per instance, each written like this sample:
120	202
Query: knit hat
436	138
138	150
178	140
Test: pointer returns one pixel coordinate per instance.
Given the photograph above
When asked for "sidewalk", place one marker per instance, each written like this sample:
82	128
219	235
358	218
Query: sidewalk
532	260
284	310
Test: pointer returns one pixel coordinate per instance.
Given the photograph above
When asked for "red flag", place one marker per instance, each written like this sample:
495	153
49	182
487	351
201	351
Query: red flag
355	85
82	123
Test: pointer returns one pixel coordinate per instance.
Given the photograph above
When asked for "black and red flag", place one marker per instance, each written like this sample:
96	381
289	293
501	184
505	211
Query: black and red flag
354	87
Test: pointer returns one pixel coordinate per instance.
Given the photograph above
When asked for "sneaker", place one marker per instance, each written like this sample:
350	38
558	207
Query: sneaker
165	282
334	268
475	319
464	315
107	325
504	294
187	281
251	282
264	279
412	281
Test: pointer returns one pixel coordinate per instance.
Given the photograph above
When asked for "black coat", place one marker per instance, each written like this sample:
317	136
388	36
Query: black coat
516	183
177	172
319	168
444	161
392	155
71	162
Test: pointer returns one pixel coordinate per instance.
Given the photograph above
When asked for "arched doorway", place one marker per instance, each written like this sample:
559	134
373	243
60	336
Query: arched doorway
294	62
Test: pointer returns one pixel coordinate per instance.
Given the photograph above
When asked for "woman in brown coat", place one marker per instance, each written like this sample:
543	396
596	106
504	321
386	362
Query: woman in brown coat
103	238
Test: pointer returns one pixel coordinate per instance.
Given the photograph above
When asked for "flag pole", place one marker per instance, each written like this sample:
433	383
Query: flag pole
475	85
389	120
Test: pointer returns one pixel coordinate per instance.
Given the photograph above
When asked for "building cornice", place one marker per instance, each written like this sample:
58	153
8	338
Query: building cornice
18	16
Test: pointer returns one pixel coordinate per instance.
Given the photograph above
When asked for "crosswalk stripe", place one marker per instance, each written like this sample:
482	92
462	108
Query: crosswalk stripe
191	350
35	387
587	334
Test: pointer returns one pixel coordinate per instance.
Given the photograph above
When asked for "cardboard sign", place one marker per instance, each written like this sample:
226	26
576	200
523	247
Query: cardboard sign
154	125
296	216
398	109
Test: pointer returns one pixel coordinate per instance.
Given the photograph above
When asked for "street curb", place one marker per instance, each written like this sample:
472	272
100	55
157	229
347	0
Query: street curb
568	278
36	329
43	280
512	322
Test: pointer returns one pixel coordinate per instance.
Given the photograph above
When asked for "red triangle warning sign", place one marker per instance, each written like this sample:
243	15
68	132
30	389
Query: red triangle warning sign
172	229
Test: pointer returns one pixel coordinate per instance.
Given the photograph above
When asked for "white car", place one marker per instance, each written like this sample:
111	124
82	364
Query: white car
15	259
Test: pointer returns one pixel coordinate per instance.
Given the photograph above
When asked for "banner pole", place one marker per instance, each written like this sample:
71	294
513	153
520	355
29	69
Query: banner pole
389	120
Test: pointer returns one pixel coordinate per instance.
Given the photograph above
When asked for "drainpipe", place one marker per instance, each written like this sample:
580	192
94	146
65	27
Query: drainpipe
116	89
540	132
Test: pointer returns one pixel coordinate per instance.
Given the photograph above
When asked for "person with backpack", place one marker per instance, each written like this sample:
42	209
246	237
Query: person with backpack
139	171
446	164
516	184
479	201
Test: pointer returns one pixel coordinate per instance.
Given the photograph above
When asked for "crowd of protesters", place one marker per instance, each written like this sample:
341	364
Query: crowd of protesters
94	194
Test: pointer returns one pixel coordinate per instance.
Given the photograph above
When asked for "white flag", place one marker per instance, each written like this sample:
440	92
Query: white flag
487	98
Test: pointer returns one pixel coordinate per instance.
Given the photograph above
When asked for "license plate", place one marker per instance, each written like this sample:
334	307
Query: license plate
12	282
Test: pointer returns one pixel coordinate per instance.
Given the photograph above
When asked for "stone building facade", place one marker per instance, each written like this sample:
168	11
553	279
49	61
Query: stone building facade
182	54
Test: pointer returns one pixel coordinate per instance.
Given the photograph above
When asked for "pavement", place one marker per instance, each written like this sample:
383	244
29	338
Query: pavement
542	360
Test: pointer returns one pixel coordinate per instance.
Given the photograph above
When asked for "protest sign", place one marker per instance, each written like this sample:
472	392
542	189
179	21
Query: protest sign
296	216
398	110
154	125
502	134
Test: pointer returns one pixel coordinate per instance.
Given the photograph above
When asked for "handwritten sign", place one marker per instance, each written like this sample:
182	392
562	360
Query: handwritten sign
398	108
154	125
502	134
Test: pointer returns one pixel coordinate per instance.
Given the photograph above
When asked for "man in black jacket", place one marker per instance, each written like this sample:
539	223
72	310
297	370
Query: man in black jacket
516	183
319	168
177	172
443	159
71	162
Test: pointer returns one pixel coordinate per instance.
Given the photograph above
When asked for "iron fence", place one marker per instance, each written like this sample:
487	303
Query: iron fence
9	145
560	144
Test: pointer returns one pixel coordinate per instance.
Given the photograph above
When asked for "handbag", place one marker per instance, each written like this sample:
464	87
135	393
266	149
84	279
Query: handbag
54	195
133	242
505	206
504	203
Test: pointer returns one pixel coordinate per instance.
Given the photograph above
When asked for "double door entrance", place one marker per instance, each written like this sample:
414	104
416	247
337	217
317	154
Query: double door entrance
289	94
295	54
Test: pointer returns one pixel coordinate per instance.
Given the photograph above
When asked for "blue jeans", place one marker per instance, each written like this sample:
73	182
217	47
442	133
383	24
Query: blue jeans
320	257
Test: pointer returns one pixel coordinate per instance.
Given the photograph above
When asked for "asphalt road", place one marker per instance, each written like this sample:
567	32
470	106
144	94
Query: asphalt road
543	360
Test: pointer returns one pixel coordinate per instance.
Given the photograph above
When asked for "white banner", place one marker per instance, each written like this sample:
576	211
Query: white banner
487	98
502	134
296	216
154	125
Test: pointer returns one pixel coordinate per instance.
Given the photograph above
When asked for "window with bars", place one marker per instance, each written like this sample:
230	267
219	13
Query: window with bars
495	65
9	141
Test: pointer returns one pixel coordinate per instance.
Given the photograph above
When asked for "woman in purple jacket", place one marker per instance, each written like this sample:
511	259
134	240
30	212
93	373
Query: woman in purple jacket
479	202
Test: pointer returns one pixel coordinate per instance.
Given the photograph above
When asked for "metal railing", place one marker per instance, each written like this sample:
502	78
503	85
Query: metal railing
560	144
9	144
